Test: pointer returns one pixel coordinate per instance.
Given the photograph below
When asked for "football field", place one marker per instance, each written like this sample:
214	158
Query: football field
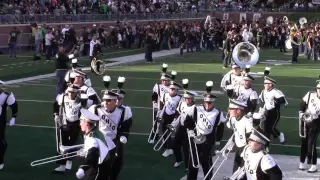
34	135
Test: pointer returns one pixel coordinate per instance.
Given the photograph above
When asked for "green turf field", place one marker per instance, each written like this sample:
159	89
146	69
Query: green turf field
33	138
24	66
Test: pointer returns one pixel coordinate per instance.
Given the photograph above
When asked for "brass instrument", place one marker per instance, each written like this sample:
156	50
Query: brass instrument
306	118
302	21
193	141
65	155
98	67
244	54
239	174
225	151
290	40
168	133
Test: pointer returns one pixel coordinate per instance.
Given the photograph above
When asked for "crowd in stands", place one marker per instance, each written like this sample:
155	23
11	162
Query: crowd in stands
58	7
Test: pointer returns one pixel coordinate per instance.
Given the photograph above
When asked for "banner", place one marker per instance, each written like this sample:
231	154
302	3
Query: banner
225	16
243	17
315	1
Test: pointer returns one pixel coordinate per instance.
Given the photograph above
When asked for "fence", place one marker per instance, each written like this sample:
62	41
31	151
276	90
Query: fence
27	19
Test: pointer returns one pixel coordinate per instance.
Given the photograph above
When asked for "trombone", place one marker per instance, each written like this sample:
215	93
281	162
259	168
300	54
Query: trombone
199	139
65	155
229	145
171	128
157	120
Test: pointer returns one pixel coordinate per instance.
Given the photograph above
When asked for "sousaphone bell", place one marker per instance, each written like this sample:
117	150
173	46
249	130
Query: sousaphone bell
245	54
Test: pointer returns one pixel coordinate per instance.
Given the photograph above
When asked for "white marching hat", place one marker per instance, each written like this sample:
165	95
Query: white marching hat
110	95
269	80
258	136
88	115
189	94
174	85
234	104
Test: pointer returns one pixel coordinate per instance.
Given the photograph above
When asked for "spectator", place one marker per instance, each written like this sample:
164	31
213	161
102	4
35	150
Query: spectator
12	41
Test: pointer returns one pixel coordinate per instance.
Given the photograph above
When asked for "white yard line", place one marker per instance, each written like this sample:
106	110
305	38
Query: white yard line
133	107
135	133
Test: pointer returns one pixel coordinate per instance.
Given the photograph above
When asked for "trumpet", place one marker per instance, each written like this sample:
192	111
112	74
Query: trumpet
171	128
224	154
193	141
65	154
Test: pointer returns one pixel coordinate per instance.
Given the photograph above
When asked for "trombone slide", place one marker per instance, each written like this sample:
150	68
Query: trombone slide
302	129
167	134
54	158
195	154
229	145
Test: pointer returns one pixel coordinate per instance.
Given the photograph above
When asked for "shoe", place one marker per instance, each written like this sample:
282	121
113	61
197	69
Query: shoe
184	177
69	165
167	152
177	164
1	166
281	138
60	169
313	169
302	166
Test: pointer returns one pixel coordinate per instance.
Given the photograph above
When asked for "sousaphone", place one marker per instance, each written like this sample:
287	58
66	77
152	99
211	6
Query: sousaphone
245	54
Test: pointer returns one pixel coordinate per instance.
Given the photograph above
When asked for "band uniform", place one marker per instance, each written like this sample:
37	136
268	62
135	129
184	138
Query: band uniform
205	120
241	125
180	138
159	90
96	151
112	118
170	102
66	111
309	105
272	99
258	164
6	99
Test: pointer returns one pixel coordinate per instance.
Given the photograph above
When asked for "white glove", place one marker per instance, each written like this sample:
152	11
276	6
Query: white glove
56	118
262	111
249	114
230	146
300	114
229	87
81	153
217	143
191	133
155	105
80	173
12	121
123	139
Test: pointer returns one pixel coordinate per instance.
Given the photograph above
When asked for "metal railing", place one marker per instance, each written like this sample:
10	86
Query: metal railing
27	19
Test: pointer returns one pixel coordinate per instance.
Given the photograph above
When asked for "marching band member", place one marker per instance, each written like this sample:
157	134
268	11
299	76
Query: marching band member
6	99
124	129
233	77
258	164
181	138
96	149
245	94
170	102
112	120
159	90
241	125
273	99
66	111
79	80
310	105
204	120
